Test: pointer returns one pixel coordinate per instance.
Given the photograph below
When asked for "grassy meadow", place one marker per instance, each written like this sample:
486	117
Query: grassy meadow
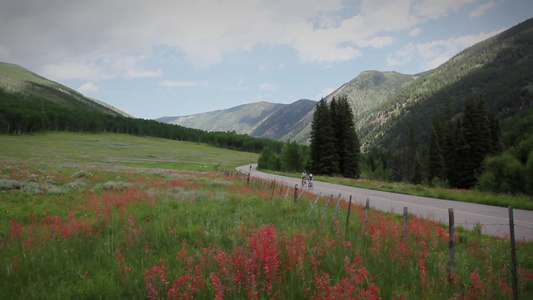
104	216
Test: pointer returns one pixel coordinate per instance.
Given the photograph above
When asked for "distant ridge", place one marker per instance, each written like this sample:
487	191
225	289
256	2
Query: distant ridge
261	119
16	79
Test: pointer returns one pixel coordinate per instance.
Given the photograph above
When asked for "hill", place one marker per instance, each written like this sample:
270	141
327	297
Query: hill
261	119
499	69
292	122
18	80
365	92
241	119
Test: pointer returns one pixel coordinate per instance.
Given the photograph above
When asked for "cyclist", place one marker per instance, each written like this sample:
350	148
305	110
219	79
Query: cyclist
304	178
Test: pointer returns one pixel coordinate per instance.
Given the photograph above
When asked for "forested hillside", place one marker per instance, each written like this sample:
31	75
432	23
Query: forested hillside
499	69
15	79
23	114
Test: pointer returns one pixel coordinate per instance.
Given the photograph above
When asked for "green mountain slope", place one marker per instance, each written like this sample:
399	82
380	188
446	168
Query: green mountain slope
262	119
16	79
365	92
241	119
499	69
279	124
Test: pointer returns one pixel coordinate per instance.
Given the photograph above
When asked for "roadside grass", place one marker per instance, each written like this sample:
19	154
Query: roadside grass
473	196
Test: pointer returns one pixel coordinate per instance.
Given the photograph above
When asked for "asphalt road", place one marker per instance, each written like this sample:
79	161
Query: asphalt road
494	220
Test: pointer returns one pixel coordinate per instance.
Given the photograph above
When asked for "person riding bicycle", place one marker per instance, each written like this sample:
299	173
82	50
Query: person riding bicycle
304	177
310	183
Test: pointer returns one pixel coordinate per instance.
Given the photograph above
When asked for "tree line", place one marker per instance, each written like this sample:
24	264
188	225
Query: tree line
466	150
23	114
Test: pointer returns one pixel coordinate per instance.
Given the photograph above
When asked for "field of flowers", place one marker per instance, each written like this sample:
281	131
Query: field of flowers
136	233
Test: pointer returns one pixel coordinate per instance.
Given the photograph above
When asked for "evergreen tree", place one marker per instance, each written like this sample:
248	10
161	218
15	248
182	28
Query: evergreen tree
436	159
347	141
463	175
291	160
485	144
324	158
410	155
448	142
417	175
495	134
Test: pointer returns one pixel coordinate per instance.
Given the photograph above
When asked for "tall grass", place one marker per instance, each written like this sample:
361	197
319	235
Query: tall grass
157	234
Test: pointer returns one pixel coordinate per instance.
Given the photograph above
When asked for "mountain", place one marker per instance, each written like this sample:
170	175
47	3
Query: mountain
292	122
499	69
261	119
284	122
16	79
365	92
241	119
387	105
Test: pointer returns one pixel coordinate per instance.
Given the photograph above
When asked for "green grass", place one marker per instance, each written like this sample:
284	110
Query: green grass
473	196
131	233
108	149
105	216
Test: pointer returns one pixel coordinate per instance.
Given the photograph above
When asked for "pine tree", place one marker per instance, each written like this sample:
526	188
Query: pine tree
485	144
448	145
463	176
417	174
436	159
495	134
324	158
347	141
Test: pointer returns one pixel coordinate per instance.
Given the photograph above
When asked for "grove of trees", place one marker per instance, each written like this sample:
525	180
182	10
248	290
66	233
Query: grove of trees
334	145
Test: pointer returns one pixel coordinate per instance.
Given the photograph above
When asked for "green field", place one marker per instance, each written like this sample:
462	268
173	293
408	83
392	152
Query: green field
105	216
118	150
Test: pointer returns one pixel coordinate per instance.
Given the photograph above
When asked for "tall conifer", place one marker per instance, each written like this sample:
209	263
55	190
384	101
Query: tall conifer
347	144
324	158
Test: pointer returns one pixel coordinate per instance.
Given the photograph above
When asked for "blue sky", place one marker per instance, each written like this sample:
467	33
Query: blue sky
180	57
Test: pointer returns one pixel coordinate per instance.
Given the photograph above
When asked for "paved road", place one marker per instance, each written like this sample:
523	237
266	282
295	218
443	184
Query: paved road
494	220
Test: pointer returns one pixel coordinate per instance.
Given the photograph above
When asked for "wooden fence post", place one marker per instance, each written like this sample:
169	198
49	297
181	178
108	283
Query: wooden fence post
451	259
287	194
314	204
295	193
349	208
405	216
367	206
513	253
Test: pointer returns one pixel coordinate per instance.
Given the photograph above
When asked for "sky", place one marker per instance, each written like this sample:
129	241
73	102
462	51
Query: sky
180	57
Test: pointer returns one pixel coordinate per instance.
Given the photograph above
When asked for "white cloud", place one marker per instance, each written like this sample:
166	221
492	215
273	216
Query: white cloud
202	31
121	66
70	70
102	39
481	9
433	9
402	56
4	54
181	83
437	52
325	92
415	31
88	87
144	73
268	86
